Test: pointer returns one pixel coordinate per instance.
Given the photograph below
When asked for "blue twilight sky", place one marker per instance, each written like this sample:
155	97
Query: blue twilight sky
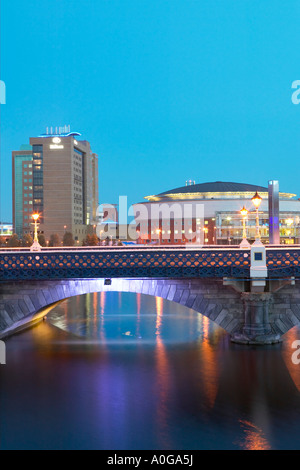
165	90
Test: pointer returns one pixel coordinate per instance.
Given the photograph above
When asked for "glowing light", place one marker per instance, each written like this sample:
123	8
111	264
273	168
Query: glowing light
56	140
289	221
244	212
35	217
256	200
56	147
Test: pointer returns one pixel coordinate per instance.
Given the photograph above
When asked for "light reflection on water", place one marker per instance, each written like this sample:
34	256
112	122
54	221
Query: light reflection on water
121	321
129	371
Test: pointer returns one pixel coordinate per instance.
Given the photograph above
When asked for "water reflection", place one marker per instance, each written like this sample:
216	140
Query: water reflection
164	383
209	363
126	371
254	437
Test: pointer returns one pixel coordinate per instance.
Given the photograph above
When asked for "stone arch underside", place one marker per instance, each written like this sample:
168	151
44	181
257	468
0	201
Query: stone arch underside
24	302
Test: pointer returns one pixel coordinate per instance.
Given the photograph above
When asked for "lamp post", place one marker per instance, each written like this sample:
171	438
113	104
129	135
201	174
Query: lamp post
257	200
35	246
158	231
244	243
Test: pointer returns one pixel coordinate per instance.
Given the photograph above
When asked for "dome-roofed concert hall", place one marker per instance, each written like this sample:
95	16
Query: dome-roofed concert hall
222	222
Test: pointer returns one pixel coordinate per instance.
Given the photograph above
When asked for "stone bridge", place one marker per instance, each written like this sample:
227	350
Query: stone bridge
216	283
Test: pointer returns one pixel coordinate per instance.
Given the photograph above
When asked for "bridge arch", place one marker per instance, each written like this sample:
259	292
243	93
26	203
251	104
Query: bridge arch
28	301
250	318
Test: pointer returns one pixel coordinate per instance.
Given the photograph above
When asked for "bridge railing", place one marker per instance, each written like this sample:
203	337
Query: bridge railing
121	248
160	262
177	263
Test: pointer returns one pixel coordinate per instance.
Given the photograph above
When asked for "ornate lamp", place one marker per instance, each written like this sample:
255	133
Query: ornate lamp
244	243
257	200
35	246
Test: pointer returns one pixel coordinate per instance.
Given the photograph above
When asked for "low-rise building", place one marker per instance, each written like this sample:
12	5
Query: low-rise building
209	213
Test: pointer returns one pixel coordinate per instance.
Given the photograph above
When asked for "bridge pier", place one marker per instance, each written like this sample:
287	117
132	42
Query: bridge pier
257	328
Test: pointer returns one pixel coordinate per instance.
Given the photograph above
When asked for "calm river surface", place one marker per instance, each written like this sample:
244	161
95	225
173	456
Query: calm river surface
128	371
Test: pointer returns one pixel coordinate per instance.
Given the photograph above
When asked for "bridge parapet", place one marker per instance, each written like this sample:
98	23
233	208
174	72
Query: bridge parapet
218	283
180	263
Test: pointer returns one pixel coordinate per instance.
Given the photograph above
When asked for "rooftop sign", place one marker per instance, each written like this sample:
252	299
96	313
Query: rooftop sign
64	131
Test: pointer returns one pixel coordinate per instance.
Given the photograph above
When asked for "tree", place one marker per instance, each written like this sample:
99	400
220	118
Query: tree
2	241
91	240
54	240
68	239
42	239
14	241
27	240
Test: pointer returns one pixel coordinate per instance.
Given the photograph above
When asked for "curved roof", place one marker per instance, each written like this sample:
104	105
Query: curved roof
216	190
217	187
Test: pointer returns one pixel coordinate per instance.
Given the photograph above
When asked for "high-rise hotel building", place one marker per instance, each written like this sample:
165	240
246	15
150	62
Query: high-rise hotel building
58	178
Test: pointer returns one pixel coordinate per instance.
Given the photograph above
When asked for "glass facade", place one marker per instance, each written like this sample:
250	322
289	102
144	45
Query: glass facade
19	196
38	180
79	188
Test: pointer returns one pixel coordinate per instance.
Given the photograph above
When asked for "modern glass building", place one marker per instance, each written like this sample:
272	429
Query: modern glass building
63	184
22	185
220	221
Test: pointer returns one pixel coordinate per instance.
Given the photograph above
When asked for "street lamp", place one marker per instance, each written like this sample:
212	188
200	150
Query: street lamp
35	246
158	231
257	200
244	243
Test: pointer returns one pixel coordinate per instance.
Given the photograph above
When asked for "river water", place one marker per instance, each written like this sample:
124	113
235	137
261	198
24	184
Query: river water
120	371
